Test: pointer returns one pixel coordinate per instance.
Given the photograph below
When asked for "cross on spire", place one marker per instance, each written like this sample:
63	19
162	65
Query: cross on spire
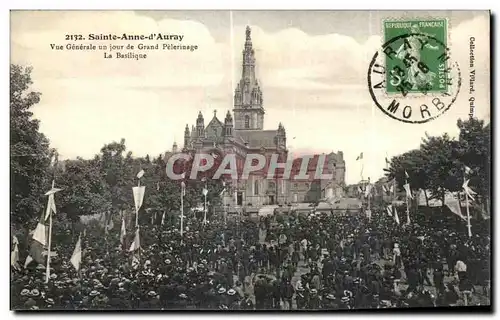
215	113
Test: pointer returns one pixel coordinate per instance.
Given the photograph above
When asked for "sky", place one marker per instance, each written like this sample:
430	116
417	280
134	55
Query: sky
312	67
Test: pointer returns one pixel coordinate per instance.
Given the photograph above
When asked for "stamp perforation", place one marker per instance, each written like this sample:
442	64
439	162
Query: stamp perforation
417	95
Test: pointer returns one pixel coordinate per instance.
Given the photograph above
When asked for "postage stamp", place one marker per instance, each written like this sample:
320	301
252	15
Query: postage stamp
412	78
416	56
226	160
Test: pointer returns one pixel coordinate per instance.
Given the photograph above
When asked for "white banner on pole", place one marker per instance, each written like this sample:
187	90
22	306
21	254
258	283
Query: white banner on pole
138	197
140	174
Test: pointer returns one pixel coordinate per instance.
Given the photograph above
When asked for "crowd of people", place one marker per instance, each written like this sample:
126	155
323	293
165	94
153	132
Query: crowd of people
303	262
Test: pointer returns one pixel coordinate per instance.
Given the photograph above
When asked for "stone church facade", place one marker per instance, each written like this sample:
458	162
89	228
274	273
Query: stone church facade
242	133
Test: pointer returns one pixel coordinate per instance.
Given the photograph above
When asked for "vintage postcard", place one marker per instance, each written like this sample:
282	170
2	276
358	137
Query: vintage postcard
250	160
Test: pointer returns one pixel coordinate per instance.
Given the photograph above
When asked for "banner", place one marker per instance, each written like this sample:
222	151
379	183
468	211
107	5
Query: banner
40	234
51	203
76	258
396	217
138	197
140	174
389	210
408	190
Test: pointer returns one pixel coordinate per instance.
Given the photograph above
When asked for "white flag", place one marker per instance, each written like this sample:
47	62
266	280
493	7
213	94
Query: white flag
123	232
389	210
163	218
14	257
183	188
28	261
222	192
76	258
137	242
51	206
40	234
140	174
467	170
408	190
138	197
368	190
396	217
360	190
205	191
391	189
453	203
407	175
384	188
54	159
110	225
468	191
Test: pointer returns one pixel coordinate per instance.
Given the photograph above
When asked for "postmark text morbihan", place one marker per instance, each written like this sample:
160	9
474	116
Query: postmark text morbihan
412	78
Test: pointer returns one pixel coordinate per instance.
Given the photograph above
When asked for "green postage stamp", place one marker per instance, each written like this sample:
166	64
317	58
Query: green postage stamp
416	56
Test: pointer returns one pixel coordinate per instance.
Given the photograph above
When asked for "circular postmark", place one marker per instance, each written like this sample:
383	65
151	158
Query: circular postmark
411	78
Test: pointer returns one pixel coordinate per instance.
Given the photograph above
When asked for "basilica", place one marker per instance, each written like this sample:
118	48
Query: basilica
242	133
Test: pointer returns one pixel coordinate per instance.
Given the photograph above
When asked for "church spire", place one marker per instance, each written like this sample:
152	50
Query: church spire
248	101
248	71
248	39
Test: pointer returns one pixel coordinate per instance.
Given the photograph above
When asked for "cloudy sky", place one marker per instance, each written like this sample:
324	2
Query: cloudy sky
312	67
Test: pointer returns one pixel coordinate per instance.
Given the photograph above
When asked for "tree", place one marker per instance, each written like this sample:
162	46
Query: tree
85	189
118	174
412	162
442	165
29	149
474	145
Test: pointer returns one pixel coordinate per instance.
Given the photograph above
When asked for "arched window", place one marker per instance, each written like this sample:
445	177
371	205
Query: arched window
256	187
247	122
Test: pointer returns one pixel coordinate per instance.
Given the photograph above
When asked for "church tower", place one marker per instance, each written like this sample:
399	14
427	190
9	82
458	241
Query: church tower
248	109
187	137
200	126
228	125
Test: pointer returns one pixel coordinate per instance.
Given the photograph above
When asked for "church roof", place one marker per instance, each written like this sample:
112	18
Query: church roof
256	138
215	121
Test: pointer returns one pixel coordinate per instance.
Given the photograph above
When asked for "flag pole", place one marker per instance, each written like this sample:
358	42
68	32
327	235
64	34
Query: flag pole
224	205
369	217
407	205
137	210
205	213
394	189
469	231
182	209
47	271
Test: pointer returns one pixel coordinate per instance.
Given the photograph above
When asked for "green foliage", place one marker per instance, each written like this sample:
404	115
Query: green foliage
29	150
475	151
104	184
85	189
438	165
